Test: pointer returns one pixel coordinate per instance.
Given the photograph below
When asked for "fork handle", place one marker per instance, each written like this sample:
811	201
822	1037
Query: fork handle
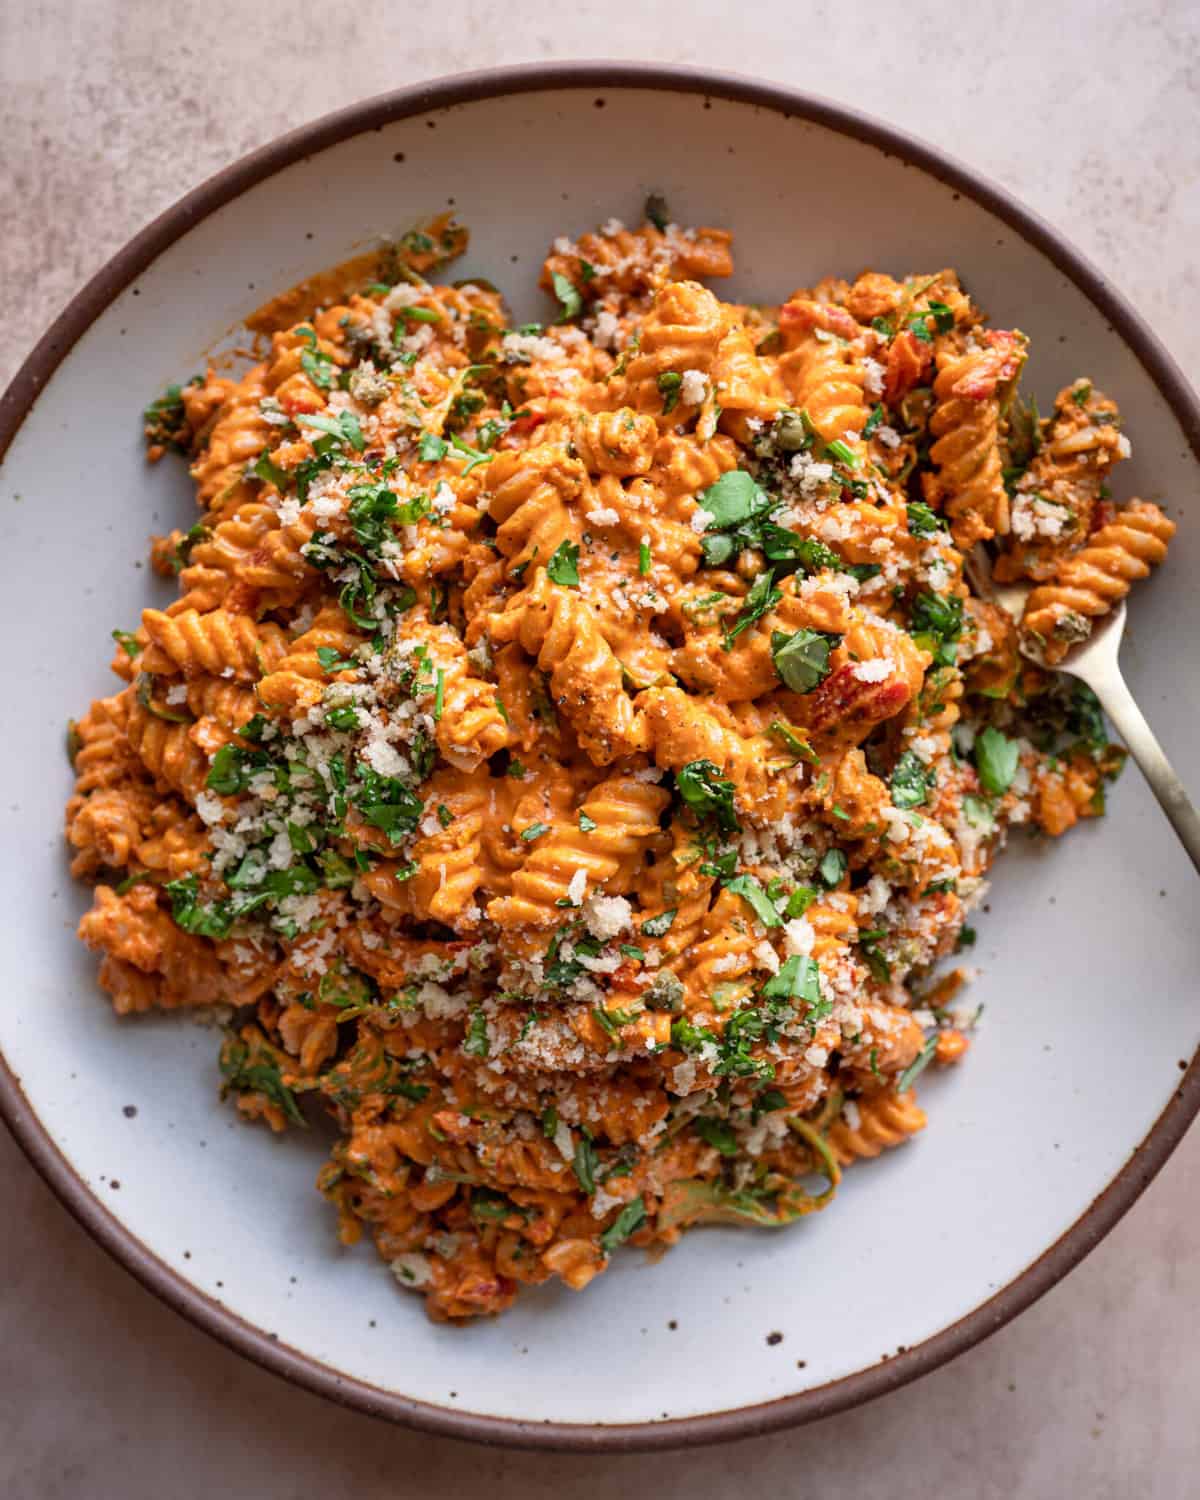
1130	724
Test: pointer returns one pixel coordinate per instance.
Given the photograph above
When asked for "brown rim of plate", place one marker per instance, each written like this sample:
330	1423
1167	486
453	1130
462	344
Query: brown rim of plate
266	1349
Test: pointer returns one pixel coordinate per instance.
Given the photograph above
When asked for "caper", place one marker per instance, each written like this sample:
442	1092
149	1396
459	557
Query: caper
791	435
666	993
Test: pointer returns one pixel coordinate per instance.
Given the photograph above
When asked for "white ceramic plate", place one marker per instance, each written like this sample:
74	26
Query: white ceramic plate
1073	1095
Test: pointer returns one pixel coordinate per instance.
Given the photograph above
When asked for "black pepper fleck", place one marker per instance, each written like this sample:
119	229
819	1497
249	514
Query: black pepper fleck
774	1338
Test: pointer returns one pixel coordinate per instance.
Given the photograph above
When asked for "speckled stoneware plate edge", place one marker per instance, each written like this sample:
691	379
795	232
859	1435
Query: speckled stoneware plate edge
273	1353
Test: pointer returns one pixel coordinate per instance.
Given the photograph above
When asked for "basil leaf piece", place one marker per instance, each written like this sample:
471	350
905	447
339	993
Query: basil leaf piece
735	497
755	898
798	979
628	1221
476	1040
568	297
708	793
832	868
917	1066
912	781
563	567
585	1161
802	659
717	1134
996	760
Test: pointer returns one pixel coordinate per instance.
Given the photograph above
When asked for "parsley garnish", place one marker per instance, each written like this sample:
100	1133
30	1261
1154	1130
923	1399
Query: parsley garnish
996	760
343	429
127	642
922	521
734	498
762	597
802	659
476	1040
628	1221
707	793
832	868
755	898
669	383
332	661
938	618
585	1161
563	567
912	781
917	1066
568	297
717	1134
660	925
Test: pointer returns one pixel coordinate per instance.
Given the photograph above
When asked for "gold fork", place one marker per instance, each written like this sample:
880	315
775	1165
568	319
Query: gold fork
1095	662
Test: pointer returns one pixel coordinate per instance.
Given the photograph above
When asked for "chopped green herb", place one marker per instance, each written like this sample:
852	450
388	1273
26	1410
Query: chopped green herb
342	718
344	429
832	868
917	1066
996	760
735	497
476	1040
534	831
431	448
568	297
801	659
563	567
717	1134
922	521
413	314
708	793
270	473
799	747
912	781
755	898
660	925
978	814
332	661
868	942
628	1221
798	979
585	1162
669	383
762	597
586	824
799	901
643	558
127	642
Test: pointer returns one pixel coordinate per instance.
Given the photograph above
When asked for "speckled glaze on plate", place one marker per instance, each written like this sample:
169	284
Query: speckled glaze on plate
1083	1077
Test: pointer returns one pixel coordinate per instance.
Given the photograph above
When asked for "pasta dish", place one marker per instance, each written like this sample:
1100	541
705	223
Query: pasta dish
573	745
